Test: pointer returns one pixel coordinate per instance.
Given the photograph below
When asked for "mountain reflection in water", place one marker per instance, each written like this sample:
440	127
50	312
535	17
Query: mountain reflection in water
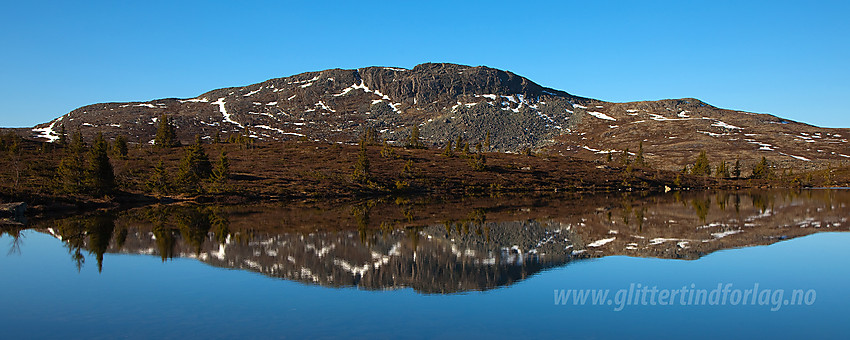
435	246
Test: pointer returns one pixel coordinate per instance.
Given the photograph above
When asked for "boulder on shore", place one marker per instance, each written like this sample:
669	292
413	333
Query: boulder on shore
16	209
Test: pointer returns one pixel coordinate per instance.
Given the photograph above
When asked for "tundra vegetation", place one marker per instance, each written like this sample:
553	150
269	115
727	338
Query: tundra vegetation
99	173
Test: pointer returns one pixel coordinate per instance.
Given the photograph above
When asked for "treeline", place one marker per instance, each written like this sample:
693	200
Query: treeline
195	173
729	170
87	169
763	170
460	147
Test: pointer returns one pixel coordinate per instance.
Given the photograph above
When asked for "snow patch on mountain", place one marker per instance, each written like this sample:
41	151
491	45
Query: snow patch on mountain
724	125
227	117
252	92
600	115
324	106
796	157
47	132
601	242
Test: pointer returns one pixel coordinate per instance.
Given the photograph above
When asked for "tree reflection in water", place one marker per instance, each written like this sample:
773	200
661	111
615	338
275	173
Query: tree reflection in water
439	246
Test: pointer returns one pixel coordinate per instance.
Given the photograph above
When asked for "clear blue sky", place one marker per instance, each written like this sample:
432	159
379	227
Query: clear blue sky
791	59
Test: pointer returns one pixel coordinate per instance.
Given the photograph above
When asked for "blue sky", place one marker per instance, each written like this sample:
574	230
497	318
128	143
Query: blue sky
785	58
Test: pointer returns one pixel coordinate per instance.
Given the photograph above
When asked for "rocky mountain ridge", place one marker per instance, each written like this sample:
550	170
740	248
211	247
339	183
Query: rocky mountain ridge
447	101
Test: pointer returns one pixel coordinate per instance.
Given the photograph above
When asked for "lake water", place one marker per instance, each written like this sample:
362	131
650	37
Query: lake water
503	267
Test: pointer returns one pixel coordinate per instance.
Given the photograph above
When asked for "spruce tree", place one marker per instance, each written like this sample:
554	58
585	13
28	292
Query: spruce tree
701	166
387	151
361	166
639	160
77	144
119	148
736	171
413	140
220	173
762	170
478	162
625	160
448	152
722	170
194	168
63	137
370	136
166	134
70	176
99	175
158	181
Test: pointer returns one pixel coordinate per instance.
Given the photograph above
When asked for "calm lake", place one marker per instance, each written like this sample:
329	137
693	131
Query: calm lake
693	264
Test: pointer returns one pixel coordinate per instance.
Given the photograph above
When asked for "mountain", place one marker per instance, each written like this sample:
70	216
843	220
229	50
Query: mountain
449	100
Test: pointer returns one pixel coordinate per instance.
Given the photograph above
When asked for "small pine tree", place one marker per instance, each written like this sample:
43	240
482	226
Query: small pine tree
736	170
487	141
701	165
99	175
370	136
11	143
77	144
166	133
625	160
361	166
459	143
387	151
217	138
413	140
722	170
70	176
63	136
762	170
194	167
119	148
478	162
639	160
158	181
408	171
448	152
220	173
